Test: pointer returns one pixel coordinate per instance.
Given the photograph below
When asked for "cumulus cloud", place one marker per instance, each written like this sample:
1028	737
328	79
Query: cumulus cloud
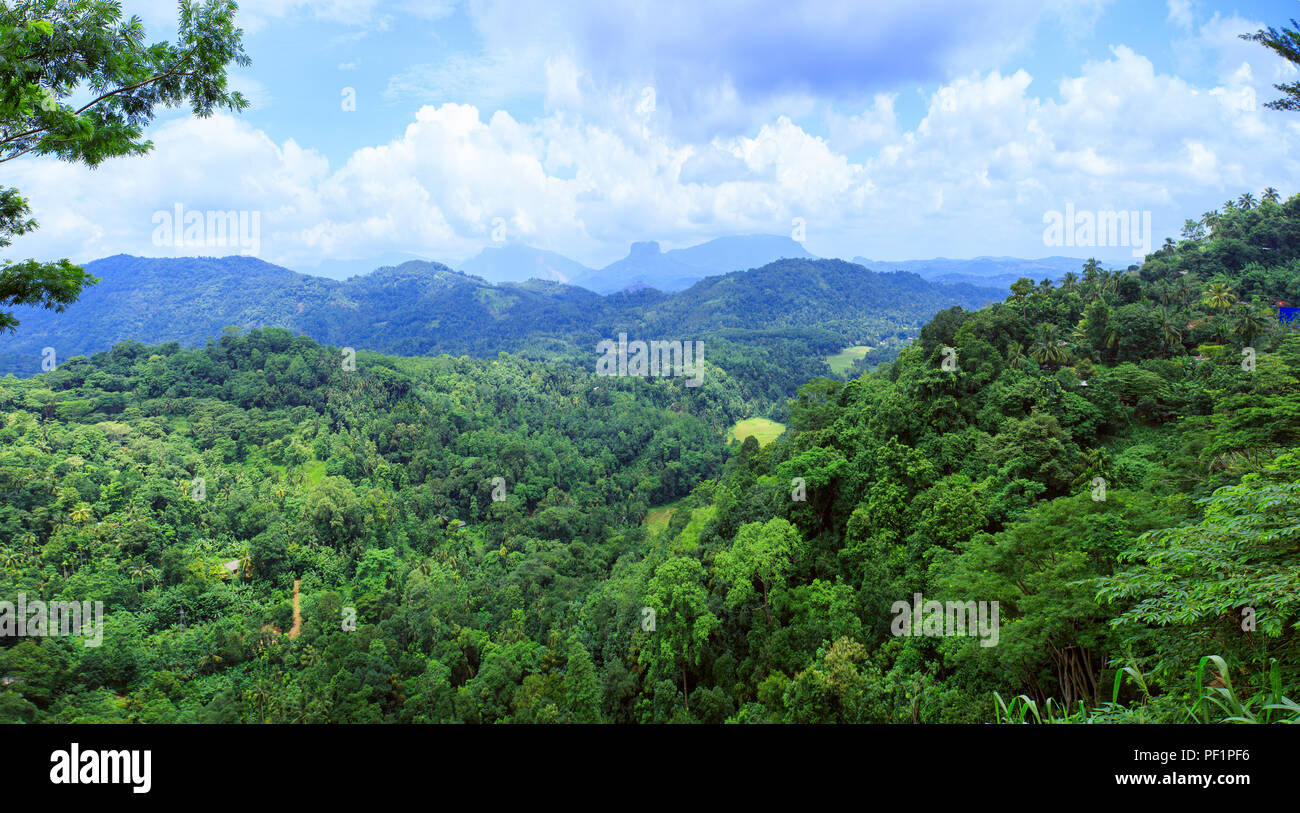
605	165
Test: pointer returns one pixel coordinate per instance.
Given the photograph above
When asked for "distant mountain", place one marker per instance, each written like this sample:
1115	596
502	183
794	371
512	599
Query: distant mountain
423	308
184	299
806	292
342	269
1000	272
740	253
647	266
516	263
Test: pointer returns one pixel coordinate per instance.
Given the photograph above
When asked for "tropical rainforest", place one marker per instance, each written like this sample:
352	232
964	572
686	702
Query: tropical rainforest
282	530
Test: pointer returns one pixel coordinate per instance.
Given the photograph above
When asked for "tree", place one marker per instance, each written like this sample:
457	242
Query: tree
1286	44
683	620
1218	297
762	553
52	49
1170	330
1243	553
1248	323
1048	348
581	691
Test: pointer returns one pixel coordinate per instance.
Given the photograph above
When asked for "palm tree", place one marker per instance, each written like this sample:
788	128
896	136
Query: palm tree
1169	327
1048	347
1070	281
1271	195
1015	354
80	514
1248	323
1091	463
1080	334
1246	201
1218	296
1210	220
1164	293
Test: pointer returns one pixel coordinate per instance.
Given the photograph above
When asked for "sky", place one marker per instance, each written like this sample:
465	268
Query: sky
889	130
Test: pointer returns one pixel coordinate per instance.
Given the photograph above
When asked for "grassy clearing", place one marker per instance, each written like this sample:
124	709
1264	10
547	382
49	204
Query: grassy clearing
762	429
843	360
656	519
690	536
315	471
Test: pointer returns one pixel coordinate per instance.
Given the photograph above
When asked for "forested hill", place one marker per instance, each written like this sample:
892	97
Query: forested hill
422	308
1114	460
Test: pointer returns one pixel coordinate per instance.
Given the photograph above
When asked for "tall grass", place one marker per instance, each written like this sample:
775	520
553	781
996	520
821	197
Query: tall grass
1213	703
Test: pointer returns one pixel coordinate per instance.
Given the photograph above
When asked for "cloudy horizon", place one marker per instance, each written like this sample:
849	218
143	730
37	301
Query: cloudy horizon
934	130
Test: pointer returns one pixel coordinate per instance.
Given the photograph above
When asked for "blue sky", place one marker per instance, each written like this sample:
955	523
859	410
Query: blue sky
889	130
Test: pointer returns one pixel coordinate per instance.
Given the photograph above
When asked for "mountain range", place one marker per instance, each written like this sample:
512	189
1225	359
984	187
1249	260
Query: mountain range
422	308
1000	272
647	265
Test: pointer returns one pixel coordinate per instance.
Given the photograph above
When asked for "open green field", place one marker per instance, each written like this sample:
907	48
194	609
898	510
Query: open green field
315	471
843	360
656	519
764	430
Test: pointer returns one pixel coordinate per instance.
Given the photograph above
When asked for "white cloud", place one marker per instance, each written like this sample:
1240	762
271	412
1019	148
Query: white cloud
1180	13
601	168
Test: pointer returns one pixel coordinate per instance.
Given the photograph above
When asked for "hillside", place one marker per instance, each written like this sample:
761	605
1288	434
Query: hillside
488	525
648	266
422	308
998	272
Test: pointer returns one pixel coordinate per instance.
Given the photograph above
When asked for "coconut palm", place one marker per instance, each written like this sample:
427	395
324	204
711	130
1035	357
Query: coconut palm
1048	348
1070	281
1248	324
1218	296
1246	201
1271	195
1015	354
1173	335
1080	333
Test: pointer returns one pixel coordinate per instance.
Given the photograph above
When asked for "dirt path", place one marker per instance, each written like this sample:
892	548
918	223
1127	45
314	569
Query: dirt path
297	613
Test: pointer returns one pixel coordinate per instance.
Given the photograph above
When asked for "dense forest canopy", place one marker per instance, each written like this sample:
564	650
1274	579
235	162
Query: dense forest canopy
278	535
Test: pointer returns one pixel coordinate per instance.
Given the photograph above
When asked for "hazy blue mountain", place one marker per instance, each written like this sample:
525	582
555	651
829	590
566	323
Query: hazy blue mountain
740	253
420	308
1000	272
516	263
647	266
342	269
183	299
